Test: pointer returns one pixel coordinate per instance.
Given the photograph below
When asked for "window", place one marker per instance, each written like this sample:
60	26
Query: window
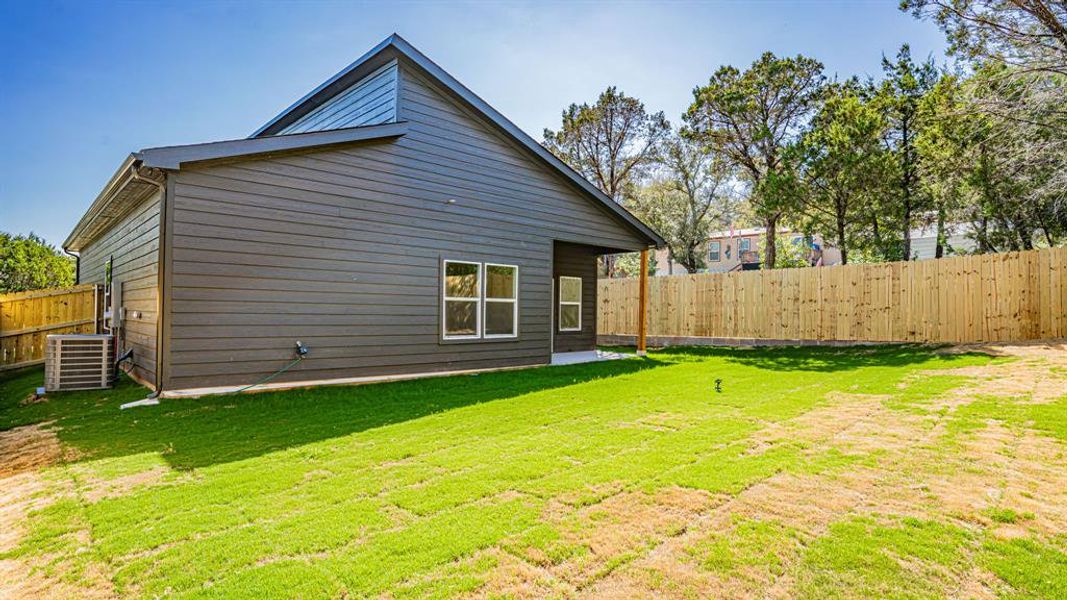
501	300
480	301
714	253
462	288
570	303
745	245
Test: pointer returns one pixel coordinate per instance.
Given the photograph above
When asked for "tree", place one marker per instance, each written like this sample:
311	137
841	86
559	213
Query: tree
1029	34
611	143
1017	51
842	164
27	262
900	95
690	195
629	264
751	117
945	148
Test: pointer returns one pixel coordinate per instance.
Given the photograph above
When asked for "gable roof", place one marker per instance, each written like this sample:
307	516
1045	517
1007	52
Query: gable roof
394	46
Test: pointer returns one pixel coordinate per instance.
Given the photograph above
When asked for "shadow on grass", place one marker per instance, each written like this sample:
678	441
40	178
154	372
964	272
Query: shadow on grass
817	358
193	433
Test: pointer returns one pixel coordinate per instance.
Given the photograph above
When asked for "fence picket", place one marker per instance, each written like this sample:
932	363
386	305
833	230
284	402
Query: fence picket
995	297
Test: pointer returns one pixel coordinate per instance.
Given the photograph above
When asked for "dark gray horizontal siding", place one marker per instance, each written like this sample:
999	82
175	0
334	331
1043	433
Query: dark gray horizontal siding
134	244
576	261
341	249
371	101
441	128
197	223
322	191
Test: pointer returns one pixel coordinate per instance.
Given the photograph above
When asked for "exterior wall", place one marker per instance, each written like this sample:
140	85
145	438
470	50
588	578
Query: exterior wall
573	260
924	242
371	101
341	249
134	243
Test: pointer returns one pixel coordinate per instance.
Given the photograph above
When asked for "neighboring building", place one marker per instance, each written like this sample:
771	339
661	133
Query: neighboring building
732	250
957	241
390	220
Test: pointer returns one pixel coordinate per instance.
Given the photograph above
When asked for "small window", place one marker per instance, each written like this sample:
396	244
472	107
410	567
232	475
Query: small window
745	245
714	255
570	303
501	300
462	300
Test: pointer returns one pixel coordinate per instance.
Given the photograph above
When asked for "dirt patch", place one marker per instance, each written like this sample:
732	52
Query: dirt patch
514	577
28	448
98	489
24	453
1039	371
850	422
615	531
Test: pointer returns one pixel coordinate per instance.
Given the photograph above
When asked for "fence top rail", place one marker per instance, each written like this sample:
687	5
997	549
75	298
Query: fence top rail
46	293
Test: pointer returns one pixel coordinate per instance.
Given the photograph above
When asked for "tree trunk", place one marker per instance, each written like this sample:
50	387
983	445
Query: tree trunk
907	229
770	252
877	233
1026	236
841	239
906	188
939	249
983	236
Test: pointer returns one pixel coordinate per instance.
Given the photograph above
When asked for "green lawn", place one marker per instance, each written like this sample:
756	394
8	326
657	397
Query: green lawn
632	477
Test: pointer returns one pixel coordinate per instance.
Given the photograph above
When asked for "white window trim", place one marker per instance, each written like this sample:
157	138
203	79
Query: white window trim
514	300
744	245
718	253
477	300
578	303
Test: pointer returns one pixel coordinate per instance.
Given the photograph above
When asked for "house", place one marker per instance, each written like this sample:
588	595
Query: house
730	250
733	249
957	240
390	221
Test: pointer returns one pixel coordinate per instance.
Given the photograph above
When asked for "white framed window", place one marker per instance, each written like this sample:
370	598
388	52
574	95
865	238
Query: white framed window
461	309
744	245
501	300
570	303
479	300
715	252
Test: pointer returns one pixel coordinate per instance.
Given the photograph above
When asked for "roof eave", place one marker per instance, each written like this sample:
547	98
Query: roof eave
173	157
102	199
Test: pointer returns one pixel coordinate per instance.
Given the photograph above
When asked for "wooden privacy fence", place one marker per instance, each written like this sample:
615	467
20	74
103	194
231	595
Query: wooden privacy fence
26	319
992	297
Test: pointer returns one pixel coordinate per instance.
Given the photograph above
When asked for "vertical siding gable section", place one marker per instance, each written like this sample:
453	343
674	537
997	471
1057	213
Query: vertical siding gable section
447	132
370	101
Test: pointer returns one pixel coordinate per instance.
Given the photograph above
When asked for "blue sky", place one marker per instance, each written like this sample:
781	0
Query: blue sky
86	83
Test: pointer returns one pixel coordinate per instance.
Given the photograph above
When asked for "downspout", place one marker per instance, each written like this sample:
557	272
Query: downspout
136	175
77	265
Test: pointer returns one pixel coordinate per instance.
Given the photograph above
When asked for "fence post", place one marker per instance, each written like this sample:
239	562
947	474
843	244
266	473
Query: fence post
642	304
